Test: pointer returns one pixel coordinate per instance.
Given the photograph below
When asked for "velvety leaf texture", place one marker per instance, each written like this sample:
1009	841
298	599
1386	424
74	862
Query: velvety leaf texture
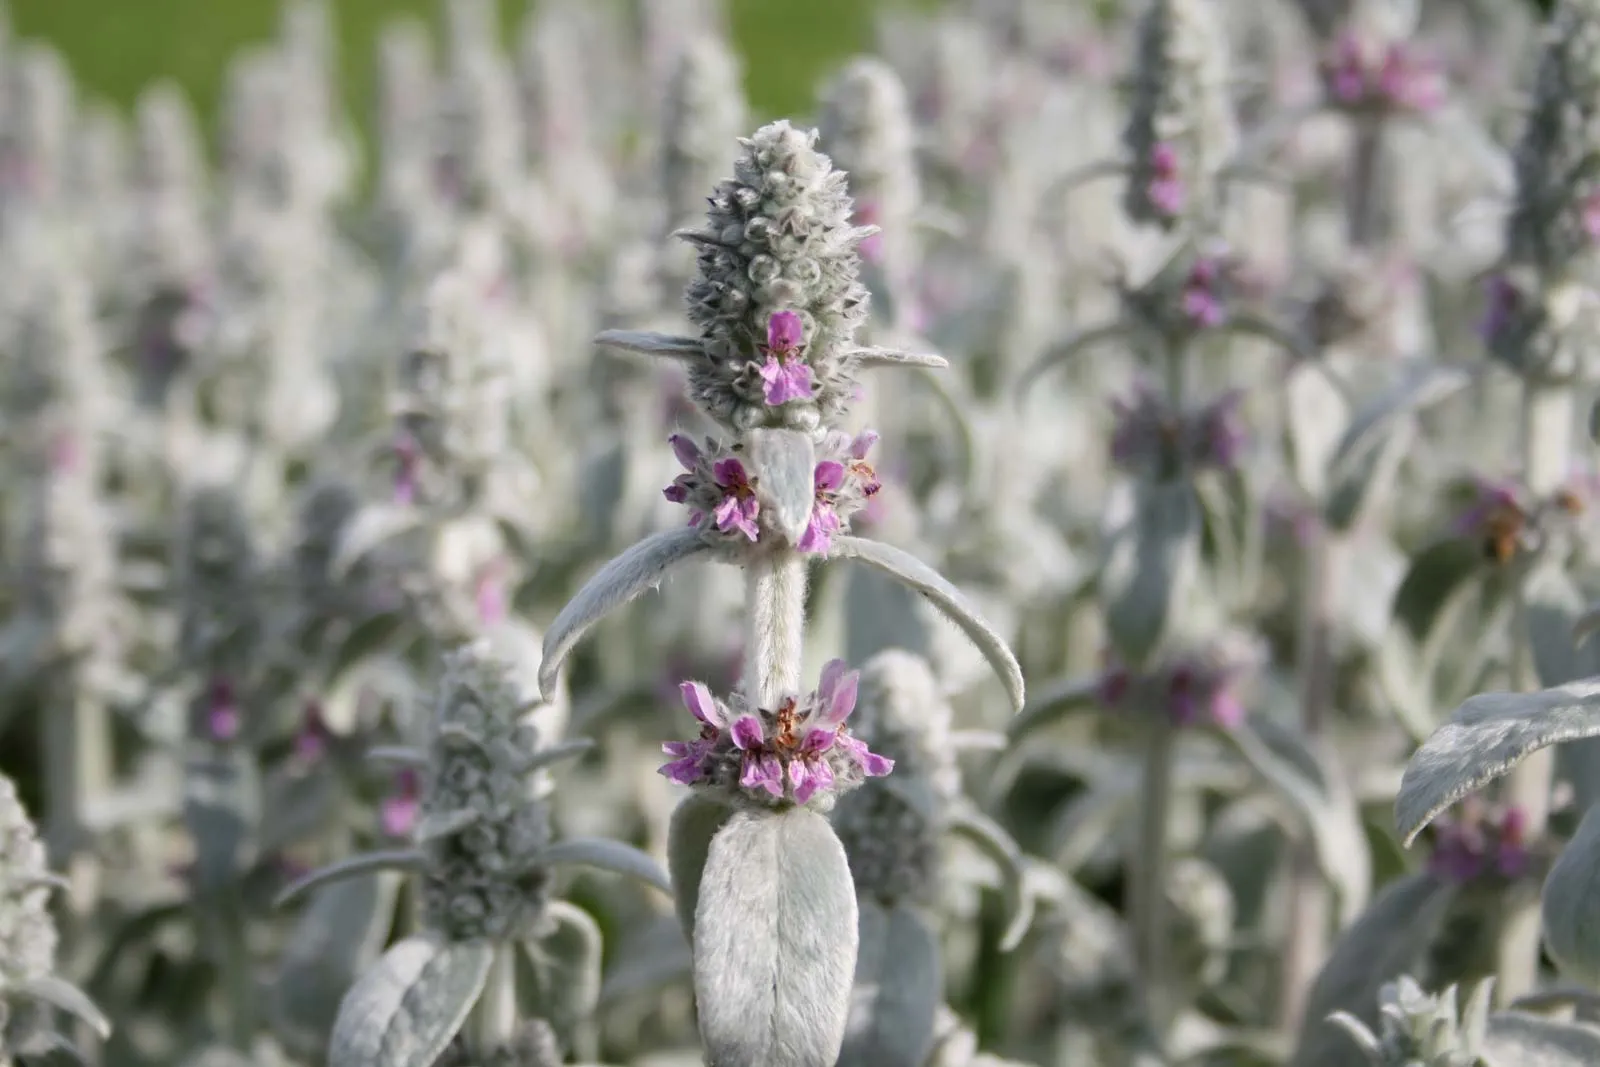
407	1008
898	989
1485	738
775	942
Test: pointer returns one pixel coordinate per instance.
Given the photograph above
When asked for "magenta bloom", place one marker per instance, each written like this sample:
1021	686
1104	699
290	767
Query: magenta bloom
1220	433
828	477
313	738
794	752
398	813
786	375
1347	70
739	506
1504	303
1195	688
1166	189
1202	298
1409	82
223	717
1480	843
408	468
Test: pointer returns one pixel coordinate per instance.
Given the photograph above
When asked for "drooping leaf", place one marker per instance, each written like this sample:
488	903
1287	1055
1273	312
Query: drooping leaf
352	867
1054	702
782	463
1518	1039
1391	938
1485	738
899	986
907	569
333	942
994	842
607	855
63	995
1069	347
894	357
775	942
374	526
695	821
1151	564
1571	903
408	1007
641	567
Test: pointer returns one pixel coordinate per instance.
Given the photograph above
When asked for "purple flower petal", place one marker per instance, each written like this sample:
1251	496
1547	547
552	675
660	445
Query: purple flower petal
686	450
818	740
808	776
762	771
701	704
730	473
685	771
746	733
863	444
785	331
871	764
829	475
785	381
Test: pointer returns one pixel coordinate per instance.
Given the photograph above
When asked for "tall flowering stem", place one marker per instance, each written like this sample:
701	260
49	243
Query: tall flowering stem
777	300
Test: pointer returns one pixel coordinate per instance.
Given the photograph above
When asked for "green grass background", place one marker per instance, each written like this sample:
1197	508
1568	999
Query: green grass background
116	47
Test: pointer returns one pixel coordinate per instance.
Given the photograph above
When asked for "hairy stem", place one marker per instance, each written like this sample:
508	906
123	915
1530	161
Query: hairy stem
1362	202
77	756
775	613
1150	877
1547	420
493	1023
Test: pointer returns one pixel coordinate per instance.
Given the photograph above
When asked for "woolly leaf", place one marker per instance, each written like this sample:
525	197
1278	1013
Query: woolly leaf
782	463
372	527
1390	938
334	940
564	972
1316	418
899	987
695	822
775	942
408	1007
1571	903
651	344
912	572
994	842
1151	562
1518	1039
607	855
1485	738
63	995
893	357
641	567
351	867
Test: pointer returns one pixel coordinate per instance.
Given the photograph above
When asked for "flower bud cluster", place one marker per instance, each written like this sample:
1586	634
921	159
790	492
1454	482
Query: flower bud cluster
1157	442
1482	843
1418	1029
1192	294
799	752
1202	684
450	402
778	239
866	128
1181	130
894	846
721	492
1363	74
482	823
27	931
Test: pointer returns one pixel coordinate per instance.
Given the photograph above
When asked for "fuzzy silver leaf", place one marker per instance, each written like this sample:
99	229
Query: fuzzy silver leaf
775	942
607	855
1151	562
782	463
410	1005
898	990
695	822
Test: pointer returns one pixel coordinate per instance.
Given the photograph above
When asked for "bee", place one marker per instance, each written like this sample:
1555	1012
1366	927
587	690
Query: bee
1502	535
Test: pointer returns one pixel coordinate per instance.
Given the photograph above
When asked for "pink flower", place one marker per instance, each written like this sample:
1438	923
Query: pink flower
824	523
687	766
312	740
739	507
399	811
870	248
223	718
1166	189
786	375
1480	843
1202	300
408	465
1591	216
1504	303
490	593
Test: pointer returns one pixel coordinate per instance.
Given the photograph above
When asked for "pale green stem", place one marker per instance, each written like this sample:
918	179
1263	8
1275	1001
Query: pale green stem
493	1023
1150	878
775	620
77	755
1547	420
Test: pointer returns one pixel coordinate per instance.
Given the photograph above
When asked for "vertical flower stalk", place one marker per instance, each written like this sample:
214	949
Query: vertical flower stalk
777	300
1550	252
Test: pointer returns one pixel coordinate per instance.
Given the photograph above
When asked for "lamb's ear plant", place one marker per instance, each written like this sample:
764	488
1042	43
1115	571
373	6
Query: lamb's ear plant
31	992
484	849
777	302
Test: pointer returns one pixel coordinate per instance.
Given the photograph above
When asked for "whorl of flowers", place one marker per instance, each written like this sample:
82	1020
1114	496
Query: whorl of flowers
800	752
866	128
1507	523
778	240
721	494
1481	843
450	403
27	931
894	846
1181	130
705	111
1553	222
1202	684
1364	73
1419	1029
1155	441
1192	294
482	822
